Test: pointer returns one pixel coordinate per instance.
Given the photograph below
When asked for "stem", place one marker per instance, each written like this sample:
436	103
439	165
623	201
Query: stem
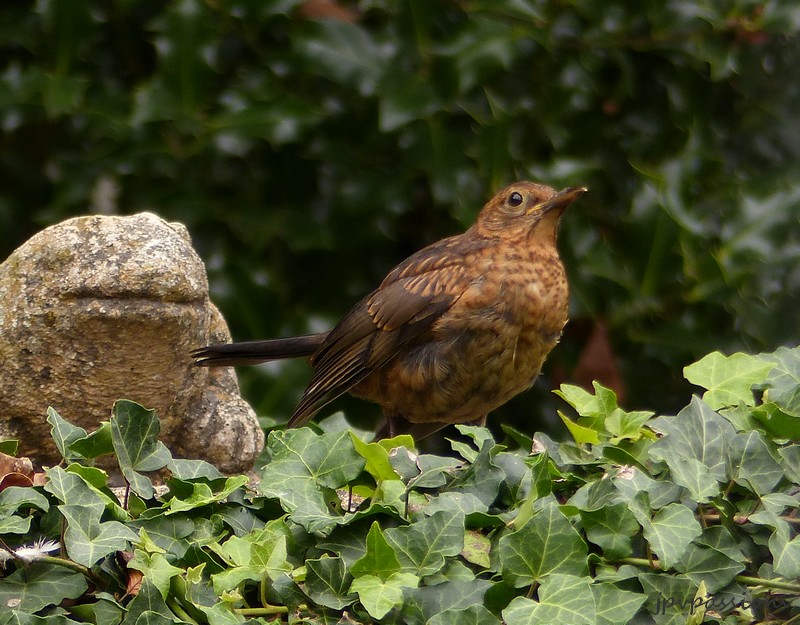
74	566
743	518
774	584
265	611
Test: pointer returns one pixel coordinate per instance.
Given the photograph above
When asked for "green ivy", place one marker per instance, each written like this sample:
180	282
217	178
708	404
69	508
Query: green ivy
691	518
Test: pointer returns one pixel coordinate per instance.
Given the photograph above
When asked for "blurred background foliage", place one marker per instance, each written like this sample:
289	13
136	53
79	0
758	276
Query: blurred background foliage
311	145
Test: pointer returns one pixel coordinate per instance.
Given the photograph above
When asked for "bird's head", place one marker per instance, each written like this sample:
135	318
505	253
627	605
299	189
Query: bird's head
526	209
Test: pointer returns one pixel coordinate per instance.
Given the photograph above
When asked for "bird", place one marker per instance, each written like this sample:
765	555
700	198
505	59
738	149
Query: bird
451	333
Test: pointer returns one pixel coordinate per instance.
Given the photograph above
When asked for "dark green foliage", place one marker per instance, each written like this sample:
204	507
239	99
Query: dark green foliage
700	527
308	156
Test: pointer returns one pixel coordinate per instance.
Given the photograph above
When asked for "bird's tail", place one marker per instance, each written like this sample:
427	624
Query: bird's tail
254	352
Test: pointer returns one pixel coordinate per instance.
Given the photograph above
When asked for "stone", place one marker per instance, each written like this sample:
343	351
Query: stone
100	308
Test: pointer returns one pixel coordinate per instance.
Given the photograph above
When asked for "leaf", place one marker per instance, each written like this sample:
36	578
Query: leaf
169	533
709	566
476	548
547	544
562	599
156	569
694	476
148	607
15	497
776	422
134	433
303	466
729	379
669	532
472	615
257	556
40	585
424	603
602	404
481	478
580	433
379	559
71	488
784	379
378	596
376	455
87	539
98	443
614	605
328	582
611	528
754	466
203	494
423	546
786	554
63	433
622	424
191	469
698	433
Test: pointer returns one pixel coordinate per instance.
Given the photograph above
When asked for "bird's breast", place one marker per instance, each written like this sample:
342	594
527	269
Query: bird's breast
488	347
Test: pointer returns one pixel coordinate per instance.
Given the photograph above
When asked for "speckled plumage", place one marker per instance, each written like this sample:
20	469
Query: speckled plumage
452	332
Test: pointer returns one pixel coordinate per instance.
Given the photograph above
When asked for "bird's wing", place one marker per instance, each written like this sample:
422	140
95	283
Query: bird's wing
407	303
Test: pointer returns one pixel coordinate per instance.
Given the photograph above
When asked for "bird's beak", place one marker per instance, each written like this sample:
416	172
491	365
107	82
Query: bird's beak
562	199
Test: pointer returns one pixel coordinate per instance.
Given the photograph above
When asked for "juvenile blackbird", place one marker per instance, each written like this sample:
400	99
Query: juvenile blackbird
453	332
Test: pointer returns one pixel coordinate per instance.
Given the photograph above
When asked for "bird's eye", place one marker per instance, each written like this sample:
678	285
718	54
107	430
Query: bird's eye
515	199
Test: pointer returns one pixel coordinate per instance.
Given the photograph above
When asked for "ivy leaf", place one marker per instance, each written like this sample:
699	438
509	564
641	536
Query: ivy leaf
784	379
600	405
376	455
481	478
379	560
169	533
472	615
622	424
40	585
191	469
547	544
611	528
699	433
776	422
134	433
729	379
98	443
785	553
148	607
203	494
253	556
580	433
669	532
562	599
87	539
304	470
328	582
424	603
703	564
378	596
614	605
12	498
753	464
423	546
71	488
155	568
63	434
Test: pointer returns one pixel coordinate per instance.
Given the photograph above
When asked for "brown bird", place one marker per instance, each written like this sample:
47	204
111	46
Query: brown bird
452	332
